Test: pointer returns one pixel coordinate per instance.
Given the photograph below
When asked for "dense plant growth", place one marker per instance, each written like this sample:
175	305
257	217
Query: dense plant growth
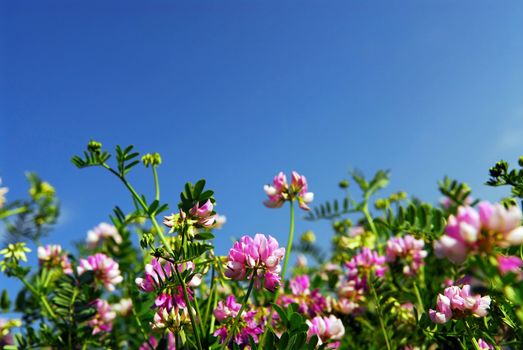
401	274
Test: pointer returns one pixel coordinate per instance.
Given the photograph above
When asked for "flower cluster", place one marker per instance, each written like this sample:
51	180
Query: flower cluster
51	256
480	230
170	300
199	216
248	326
458	302
105	269
280	191
327	329
309	302
409	250
257	258
102	321
102	232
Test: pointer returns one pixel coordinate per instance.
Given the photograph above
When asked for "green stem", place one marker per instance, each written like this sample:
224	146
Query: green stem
239	315
13	212
420	301
368	217
380	315
289	245
42	298
156	184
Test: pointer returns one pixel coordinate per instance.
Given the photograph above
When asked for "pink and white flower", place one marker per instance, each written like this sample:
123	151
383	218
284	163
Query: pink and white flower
102	321
257	258
106	270
409	250
52	256
471	231
327	329
459	302
280	191
102	232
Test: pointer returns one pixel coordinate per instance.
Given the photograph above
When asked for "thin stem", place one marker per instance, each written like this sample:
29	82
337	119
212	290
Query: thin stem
289	244
13	212
156	184
368	217
418	297
380	315
239	315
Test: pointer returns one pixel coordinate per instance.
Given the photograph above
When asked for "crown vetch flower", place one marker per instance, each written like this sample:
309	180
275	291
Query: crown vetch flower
458	302
106	270
102	321
261	255
483	345
248	326
171	343
327	329
101	232
309	302
364	262
52	256
508	264
481	230
408	249
280	191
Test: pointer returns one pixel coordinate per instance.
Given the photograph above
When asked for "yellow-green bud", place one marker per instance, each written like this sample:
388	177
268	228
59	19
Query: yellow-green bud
153	159
308	237
381	203
344	184
94	147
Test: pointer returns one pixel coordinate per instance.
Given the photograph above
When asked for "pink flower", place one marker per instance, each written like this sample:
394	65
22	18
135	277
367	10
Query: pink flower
472	231
229	309
508	264
459	302
157	275
483	345
203	214
366	261
106	270
280	191
299	189
260	255
52	256
101	232
327	329
443	313
102	321
409	249
309	302
249	324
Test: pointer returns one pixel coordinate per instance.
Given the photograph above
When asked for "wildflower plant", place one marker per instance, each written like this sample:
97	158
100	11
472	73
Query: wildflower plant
401	273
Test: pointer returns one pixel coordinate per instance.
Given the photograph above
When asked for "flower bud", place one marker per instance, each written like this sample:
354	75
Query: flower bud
308	237
94	147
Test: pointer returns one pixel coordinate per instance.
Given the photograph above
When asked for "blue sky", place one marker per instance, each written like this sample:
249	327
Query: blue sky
235	91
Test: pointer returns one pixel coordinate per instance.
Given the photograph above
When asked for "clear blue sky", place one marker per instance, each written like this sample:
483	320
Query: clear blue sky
234	91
